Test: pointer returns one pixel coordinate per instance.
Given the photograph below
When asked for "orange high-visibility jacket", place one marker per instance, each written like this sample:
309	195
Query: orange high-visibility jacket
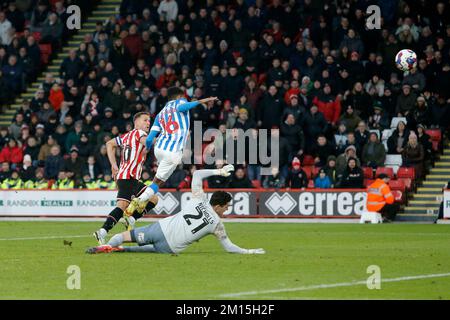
378	194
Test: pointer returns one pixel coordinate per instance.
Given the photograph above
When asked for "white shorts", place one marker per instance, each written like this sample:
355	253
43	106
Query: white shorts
167	163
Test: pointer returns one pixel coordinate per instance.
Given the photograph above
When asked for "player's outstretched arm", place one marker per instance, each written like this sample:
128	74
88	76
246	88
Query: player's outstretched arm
150	138
229	246
189	105
199	175
154	132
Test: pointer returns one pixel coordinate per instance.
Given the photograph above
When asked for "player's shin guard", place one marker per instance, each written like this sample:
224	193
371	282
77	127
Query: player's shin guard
113	218
116	240
150	205
149	191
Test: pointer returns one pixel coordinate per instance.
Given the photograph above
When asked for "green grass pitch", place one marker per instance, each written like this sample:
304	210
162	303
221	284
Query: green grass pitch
301	257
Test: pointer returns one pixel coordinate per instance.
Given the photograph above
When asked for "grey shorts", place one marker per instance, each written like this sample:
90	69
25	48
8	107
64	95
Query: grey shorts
151	234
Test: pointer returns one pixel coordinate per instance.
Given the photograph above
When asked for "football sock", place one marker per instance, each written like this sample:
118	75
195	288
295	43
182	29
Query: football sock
150	205
116	240
146	248
149	191
113	218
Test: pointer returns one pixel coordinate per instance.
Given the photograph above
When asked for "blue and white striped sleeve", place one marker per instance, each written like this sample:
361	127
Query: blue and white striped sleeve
183	106
156	124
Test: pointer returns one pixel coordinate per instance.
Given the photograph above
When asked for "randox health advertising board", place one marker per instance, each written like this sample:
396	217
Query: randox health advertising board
307	203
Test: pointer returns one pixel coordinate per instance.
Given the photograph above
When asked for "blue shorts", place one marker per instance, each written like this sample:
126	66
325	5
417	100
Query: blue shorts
151	234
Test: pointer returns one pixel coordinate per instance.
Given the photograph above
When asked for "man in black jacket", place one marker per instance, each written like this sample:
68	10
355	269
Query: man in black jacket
294	135
240	180
297	178
322	150
270	110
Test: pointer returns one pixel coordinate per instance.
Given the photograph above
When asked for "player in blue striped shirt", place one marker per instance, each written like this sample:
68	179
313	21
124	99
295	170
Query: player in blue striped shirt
171	129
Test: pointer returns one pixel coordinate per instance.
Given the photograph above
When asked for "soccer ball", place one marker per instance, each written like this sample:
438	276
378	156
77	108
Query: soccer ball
406	60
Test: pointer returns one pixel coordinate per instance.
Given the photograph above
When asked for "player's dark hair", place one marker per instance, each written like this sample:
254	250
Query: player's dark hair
174	92
220	198
140	114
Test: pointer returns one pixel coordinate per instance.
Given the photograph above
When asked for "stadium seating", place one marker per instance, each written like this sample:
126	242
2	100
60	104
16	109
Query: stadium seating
406	172
398	195
311	184
393	161
256	184
386	134
308	160
407	182
46	51
386	170
397	185
368	172
315	172
368	182
37	36
309	171
396	120
436	137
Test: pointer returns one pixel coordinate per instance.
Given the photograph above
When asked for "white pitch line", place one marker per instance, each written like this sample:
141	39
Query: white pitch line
333	285
44	238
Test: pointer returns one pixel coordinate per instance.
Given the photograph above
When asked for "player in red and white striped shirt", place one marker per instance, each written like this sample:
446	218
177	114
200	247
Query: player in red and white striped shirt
132	158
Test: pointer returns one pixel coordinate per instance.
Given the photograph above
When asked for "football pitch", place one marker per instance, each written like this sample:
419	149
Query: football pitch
303	261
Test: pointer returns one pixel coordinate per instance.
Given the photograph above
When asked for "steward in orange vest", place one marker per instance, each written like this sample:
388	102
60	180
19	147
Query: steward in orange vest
380	198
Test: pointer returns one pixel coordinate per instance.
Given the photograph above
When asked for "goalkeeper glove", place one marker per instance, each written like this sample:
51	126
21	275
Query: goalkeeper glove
226	170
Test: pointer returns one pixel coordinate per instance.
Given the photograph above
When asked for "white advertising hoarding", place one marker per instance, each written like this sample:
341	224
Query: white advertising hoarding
447	204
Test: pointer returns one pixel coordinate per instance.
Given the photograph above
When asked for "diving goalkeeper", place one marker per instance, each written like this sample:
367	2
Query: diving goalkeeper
175	233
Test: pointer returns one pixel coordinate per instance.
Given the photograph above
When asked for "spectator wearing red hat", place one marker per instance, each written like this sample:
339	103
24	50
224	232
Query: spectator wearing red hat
294	90
297	178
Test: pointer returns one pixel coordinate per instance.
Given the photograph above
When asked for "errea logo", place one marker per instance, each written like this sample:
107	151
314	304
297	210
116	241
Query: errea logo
281	204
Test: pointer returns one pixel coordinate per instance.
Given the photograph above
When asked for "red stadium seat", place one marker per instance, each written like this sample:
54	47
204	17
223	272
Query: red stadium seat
397	185
398	195
435	145
407	182
406	172
311	184
368	182
308	160
37	36
315	172
256	184
308	170
435	134
386	170
46	51
368	172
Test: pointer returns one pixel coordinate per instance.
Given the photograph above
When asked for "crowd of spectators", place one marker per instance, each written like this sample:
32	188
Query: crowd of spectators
308	68
24	25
